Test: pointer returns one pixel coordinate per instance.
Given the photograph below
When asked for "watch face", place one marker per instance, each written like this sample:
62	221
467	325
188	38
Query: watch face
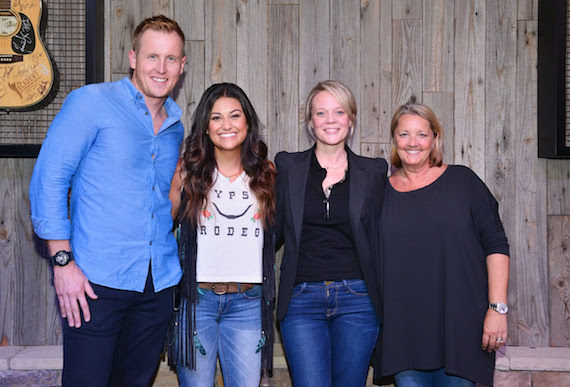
61	258
502	308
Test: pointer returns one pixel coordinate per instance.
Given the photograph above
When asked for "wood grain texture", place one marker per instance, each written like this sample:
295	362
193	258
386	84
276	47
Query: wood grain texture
375	149
469	89
386	103
314	56
345	49
190	15
438	45
190	88
252	55
529	247
54	321
284	2
159	7
442	106
125	16
8	260
527	10
33	273
369	108
558	201
283	93
221	41
25	277
407	65
559	279
407	9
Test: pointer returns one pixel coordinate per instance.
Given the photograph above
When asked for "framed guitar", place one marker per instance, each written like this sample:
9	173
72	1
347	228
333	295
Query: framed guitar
26	70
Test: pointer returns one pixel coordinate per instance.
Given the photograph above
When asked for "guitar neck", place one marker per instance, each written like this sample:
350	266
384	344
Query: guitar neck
5	4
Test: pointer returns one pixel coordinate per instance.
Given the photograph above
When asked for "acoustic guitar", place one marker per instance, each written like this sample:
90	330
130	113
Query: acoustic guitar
26	70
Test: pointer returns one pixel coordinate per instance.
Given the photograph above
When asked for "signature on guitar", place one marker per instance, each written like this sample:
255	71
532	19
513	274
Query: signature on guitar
26	70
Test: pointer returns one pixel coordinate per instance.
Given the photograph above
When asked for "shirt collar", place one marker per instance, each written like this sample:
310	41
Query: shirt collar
315	166
172	109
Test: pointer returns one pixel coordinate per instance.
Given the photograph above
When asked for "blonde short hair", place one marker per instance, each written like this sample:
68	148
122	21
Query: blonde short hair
418	109
341	94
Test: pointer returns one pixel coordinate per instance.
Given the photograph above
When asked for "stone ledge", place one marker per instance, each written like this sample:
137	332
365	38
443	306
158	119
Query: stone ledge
531	378
508	358
49	357
533	359
6	353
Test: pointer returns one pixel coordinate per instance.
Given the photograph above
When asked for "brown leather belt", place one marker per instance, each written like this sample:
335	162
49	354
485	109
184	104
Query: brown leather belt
226	287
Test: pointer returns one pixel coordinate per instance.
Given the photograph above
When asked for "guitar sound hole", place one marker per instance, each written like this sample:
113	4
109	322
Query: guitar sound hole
9	23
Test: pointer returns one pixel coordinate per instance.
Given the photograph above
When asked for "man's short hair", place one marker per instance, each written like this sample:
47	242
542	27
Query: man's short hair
156	23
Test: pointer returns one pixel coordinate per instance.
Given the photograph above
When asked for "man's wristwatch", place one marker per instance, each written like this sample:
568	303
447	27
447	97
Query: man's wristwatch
61	258
499	307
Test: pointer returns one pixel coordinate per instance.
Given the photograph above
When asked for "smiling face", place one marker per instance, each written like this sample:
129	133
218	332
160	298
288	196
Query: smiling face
414	140
227	125
329	120
158	63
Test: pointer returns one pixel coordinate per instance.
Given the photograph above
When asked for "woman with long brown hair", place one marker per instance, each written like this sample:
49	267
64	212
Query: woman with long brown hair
227	208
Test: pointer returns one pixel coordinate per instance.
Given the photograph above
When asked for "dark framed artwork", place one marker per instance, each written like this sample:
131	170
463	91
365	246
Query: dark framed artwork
94	42
553	79
72	33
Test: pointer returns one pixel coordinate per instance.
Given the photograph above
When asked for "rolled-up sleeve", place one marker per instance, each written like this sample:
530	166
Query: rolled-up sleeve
69	137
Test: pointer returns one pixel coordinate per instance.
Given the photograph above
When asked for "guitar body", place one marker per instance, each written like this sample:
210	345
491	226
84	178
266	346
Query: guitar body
26	70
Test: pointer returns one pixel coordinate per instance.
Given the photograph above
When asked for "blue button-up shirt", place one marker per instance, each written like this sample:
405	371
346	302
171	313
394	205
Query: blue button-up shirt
102	145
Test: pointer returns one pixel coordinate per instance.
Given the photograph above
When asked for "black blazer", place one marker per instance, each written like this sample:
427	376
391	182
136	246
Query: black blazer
367	182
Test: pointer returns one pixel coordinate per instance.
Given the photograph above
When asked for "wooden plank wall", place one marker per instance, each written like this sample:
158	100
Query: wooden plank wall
473	61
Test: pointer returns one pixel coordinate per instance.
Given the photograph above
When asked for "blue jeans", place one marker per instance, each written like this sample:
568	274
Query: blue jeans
436	378
228	326
329	333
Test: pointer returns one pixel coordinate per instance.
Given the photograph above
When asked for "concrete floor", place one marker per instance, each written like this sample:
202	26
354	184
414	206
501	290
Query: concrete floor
165	377
281	378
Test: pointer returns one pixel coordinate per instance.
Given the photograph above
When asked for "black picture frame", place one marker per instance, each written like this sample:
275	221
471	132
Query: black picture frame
95	42
552	83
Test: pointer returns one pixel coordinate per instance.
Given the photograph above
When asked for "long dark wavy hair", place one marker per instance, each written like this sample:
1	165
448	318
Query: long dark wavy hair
199	161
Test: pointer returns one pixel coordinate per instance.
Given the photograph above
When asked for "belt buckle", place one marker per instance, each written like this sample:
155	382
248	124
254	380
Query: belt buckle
223	288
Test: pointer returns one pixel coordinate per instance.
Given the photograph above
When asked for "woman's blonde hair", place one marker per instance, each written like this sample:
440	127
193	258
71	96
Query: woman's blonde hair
418	109
341	94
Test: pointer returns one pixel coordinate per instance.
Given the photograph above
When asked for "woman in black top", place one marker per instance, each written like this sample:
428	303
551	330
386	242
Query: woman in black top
445	263
327	201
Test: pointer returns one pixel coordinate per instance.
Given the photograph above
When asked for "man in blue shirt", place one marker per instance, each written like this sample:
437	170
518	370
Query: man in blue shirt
110	154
